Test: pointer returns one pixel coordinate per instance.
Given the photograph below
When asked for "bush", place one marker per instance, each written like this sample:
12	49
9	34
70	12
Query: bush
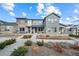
27	36
28	43
21	51
77	36
7	42
40	43
2	45
10	41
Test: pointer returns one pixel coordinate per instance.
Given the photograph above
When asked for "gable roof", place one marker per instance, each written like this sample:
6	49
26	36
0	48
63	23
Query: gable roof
62	24
54	14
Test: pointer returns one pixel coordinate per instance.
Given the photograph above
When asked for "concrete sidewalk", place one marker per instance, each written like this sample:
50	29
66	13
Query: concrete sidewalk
8	49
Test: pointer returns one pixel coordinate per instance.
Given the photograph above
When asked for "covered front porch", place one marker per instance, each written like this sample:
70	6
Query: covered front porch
34	29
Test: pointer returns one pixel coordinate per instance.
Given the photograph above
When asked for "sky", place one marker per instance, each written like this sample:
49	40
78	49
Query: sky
69	12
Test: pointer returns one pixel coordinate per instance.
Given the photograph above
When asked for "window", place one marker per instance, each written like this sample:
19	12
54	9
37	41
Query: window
7	28
49	30
70	29
55	29
22	29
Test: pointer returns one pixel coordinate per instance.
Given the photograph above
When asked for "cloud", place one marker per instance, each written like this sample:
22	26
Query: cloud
24	14
40	8
45	9
42	16
75	18
11	13
9	7
30	8
54	9
76	11
68	18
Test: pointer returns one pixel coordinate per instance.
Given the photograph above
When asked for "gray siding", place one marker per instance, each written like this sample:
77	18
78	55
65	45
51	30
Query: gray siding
52	24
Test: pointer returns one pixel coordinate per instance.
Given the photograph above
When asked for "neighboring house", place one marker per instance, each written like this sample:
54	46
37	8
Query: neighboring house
62	29
7	27
50	24
72	29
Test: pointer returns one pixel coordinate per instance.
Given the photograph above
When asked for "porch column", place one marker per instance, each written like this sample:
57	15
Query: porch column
37	29
30	29
18	29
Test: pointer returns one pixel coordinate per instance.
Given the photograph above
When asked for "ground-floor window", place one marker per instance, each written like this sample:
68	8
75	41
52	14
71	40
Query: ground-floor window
22	29
55	29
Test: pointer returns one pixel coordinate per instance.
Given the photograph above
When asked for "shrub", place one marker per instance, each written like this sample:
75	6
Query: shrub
21	51
28	43
2	45
7	42
27	36
77	36
10	41
40	43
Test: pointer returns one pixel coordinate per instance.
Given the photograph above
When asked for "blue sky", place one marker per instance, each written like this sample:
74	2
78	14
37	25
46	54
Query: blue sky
69	12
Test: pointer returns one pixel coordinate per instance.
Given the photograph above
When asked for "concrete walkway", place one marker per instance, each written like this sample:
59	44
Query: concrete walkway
8	49
34	39
20	42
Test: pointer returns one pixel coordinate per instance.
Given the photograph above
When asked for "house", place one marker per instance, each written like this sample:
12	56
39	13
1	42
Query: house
62	29
29	25
50	24
72	29
7	27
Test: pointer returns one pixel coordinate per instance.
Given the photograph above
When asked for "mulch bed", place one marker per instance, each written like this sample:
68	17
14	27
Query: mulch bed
53	37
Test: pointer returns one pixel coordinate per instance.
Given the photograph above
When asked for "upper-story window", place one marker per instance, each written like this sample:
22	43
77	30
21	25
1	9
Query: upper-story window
52	20
21	21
